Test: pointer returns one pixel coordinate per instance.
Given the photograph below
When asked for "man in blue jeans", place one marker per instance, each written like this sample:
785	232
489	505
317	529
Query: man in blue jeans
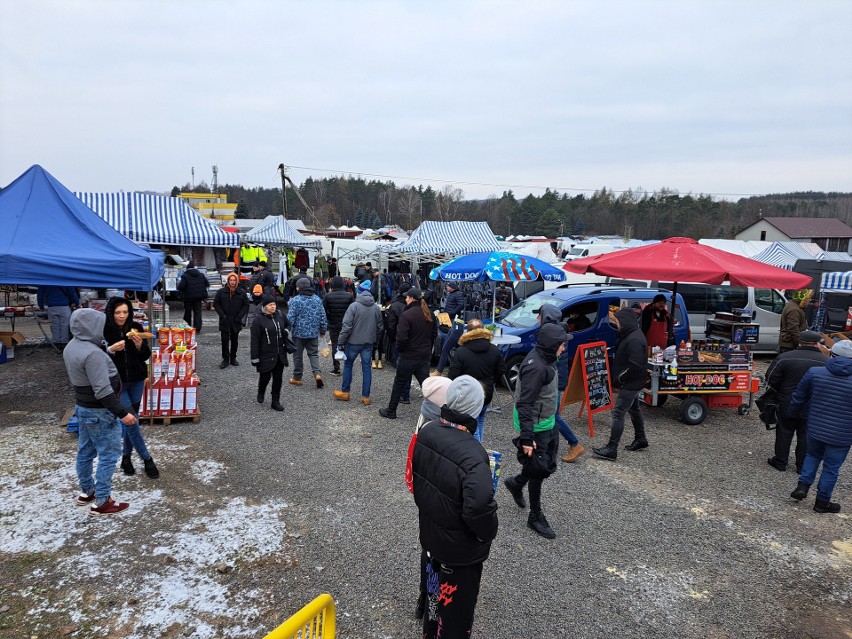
362	325
823	391
96	388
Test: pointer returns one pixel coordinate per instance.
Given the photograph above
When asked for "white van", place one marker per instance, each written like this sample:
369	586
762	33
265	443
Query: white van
585	250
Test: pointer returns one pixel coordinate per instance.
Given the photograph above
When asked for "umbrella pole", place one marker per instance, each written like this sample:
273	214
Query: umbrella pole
674	297
494	302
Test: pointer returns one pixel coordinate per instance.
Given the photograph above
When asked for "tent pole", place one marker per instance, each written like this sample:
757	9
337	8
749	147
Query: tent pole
494	302
150	363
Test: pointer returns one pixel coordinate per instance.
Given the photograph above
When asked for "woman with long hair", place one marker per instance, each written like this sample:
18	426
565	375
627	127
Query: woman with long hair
129	352
415	335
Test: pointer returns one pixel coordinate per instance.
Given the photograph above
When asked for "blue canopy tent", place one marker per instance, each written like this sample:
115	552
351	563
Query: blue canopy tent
51	238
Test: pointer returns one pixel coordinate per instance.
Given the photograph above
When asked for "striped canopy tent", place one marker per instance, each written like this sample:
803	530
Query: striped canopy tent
155	219
276	231
785	254
441	241
836	281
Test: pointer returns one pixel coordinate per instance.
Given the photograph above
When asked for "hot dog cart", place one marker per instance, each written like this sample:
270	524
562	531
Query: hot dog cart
715	373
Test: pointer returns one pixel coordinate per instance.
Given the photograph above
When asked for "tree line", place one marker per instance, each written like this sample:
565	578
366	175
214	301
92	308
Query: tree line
638	214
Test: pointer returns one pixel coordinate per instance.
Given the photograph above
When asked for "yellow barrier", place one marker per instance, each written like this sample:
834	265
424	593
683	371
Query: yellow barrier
314	621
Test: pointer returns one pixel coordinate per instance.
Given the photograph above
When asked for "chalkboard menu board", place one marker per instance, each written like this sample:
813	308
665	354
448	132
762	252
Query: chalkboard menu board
589	381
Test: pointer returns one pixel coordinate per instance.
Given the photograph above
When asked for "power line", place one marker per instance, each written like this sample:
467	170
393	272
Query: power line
502	186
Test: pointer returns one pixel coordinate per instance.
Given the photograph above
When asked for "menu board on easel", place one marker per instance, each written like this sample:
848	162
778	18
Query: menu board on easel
589	381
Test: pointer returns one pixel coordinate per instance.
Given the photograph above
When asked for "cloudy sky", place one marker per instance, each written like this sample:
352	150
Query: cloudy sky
726	98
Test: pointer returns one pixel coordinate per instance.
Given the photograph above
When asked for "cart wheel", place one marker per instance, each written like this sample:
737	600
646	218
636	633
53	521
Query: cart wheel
743	409
693	410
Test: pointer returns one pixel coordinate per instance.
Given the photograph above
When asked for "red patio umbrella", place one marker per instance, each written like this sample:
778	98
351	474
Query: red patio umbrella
682	259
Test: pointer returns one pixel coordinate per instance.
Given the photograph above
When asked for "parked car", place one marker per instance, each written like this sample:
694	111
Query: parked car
590	305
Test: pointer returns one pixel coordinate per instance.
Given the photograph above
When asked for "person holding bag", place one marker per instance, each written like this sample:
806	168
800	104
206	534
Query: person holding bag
270	343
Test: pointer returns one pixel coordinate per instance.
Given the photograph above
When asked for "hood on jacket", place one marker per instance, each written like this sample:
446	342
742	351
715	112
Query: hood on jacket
337	283
235	278
465	396
840	366
628	321
549	314
87	325
305	286
365	298
477	333
551	337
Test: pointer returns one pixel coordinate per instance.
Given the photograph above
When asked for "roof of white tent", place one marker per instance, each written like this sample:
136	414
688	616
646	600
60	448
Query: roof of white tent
786	254
540	250
277	231
743	248
447	238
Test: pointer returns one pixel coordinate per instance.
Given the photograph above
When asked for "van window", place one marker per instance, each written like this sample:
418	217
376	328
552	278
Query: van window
580	316
522	316
769	300
694	296
724	299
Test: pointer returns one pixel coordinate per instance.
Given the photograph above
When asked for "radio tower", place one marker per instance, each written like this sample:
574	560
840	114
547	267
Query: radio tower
193	177
214	188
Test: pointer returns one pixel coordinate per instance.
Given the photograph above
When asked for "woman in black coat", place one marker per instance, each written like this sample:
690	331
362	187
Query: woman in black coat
269	335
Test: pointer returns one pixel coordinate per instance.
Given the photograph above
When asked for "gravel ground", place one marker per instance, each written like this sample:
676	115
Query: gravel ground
257	512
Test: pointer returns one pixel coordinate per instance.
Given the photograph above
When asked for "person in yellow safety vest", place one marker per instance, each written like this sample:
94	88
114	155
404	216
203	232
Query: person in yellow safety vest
252	254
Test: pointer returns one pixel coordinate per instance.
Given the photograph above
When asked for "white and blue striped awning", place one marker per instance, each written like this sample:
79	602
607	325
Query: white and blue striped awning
155	219
451	238
276	231
836	281
785	254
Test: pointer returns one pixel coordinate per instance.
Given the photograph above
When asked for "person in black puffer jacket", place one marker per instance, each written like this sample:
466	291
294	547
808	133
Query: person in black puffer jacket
630	374
454	306
335	303
193	292
415	335
454	493
397	308
478	357
232	306
129	353
269	333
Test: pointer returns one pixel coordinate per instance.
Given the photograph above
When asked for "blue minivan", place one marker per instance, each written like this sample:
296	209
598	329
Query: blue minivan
585	309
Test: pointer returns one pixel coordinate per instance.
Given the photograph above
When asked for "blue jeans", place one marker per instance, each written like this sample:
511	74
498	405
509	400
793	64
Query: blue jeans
450	341
832	458
566	431
99	436
480	425
131	395
352	352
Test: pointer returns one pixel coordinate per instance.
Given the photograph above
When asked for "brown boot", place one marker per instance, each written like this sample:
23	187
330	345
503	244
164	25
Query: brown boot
378	363
343	397
574	452
366	401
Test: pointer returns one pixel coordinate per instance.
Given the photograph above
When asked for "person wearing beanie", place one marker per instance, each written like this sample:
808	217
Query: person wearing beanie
290	289
793	322
269	338
821	394
232	305
783	376
536	402
630	374
415	335
335	304
309	323
478	357
657	323
366	286
362	327
193	292
454	493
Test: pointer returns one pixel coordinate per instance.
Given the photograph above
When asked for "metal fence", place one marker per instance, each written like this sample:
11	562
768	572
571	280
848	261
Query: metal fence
314	621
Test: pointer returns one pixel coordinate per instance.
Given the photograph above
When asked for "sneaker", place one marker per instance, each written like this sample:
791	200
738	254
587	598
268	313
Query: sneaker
341	395
109	507
373	364
127	465
151	468
320	383
295	382
607	452
84	500
366	401
516	491
336	372
387	413
539	524
637	444
379	364
574	452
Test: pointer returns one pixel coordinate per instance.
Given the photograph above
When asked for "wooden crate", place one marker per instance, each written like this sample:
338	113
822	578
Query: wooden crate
167	420
69	412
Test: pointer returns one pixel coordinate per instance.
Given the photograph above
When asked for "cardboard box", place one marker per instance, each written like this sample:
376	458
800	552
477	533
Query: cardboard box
11	339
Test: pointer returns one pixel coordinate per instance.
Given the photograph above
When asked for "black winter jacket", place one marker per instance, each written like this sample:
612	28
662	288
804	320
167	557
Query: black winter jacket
787	370
454	304
193	285
231	308
131	361
631	354
454	493
397	308
415	334
335	303
478	357
269	341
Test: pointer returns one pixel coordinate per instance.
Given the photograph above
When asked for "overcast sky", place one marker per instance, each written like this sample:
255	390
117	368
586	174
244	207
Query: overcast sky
726	98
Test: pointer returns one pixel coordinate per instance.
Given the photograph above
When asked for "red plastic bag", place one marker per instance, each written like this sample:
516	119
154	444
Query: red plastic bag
409	471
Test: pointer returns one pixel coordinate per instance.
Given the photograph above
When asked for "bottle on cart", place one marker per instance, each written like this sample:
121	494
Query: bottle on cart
673	365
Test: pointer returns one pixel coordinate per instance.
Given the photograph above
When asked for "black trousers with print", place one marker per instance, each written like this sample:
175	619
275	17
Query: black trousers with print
453	591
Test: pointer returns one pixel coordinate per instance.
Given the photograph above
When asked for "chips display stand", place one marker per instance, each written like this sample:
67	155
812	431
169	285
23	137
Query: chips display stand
171	391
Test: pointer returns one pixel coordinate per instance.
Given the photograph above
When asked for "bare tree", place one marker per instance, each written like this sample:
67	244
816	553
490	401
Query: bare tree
386	199
408	202
447	203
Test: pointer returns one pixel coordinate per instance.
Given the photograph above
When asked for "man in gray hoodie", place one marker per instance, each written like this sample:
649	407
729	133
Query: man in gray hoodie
362	327
97	386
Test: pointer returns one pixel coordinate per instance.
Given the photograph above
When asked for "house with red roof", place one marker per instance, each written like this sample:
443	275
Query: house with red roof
829	233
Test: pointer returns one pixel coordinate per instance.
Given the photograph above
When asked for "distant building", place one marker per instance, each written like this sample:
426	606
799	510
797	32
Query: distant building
213	206
829	233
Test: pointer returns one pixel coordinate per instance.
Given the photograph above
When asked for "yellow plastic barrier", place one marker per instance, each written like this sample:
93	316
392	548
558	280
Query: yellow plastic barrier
314	621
